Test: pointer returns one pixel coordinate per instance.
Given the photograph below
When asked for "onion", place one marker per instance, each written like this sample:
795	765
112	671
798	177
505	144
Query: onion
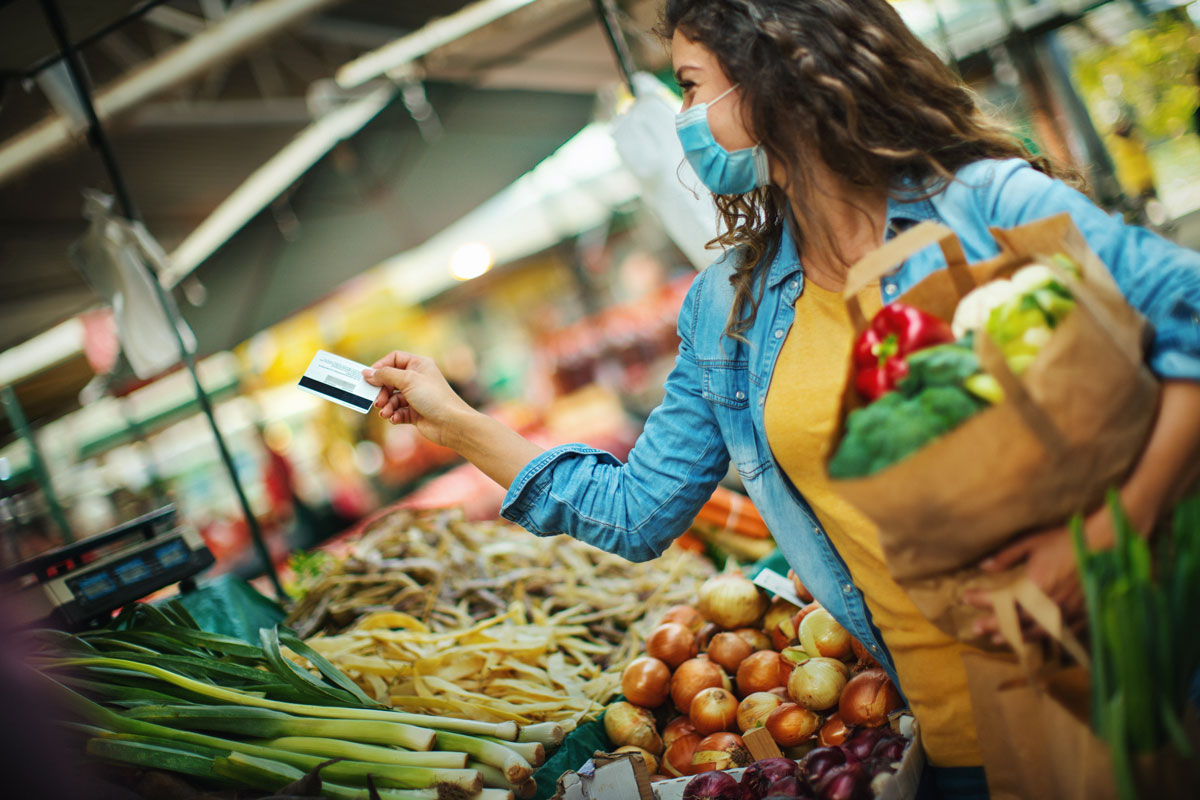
680	726
712	786
647	758
804	612
677	760
817	764
862	743
861	653
817	683
794	655
781	693
779	610
843	783
801	592
686	616
713	710
646	682
868	698
720	751
783	634
705	635
821	635
755	638
788	787
791	724
692	677
672	644
890	747
761	774
754	709
731	601
626	723
761	672
834	732
728	650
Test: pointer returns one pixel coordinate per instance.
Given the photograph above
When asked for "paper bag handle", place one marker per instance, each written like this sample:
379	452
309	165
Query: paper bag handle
1032	414
1044	611
895	252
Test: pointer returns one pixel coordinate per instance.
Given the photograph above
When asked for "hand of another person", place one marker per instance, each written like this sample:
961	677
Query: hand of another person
414	392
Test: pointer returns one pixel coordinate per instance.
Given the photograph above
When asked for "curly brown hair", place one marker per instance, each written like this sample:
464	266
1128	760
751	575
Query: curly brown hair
848	82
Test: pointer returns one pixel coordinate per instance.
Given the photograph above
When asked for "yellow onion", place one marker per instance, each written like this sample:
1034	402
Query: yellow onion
754	709
791	724
648	758
671	643
684	615
626	723
706	634
713	709
868	699
862	654
777	612
680	726
693	677
821	635
728	650
761	672
834	732
722	750
816	683
783	634
801	591
731	601
677	760
646	682
755	638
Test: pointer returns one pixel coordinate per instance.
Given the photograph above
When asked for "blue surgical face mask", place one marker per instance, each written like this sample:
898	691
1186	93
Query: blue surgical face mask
721	171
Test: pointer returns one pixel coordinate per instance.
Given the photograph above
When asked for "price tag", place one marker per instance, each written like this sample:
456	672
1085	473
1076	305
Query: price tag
779	586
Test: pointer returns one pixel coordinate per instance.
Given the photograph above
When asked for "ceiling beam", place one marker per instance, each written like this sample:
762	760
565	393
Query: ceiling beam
221	41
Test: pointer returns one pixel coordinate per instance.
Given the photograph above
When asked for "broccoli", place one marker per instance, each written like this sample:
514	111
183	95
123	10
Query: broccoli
895	426
941	365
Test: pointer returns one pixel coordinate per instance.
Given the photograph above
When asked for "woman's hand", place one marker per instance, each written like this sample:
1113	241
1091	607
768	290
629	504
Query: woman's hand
413	392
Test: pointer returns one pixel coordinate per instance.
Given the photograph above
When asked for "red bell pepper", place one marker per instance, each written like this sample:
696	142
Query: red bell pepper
896	331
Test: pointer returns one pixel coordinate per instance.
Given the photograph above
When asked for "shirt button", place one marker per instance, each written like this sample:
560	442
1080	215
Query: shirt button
875	647
778	334
795	285
890	289
740	395
848	588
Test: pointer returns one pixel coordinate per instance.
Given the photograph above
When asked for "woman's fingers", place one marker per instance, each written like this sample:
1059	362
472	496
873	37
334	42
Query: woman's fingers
1003	559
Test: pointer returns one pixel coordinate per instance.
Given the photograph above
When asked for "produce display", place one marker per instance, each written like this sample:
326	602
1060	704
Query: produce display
466	619
152	690
736	661
920	375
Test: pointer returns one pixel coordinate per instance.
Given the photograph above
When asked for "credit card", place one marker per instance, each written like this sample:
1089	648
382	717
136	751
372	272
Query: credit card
340	381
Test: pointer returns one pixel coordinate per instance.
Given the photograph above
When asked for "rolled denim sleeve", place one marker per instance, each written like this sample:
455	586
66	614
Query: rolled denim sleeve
638	508
1159	278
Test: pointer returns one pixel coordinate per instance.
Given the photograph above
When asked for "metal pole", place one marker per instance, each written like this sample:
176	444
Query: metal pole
99	141
606	10
12	408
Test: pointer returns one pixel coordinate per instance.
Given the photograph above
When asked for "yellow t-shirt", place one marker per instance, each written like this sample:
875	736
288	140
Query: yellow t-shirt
801	415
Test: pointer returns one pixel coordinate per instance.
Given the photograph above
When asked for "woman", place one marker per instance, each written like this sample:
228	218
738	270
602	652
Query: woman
823	127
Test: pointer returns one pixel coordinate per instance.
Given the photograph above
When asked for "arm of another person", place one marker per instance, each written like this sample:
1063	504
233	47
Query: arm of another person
1162	280
634	509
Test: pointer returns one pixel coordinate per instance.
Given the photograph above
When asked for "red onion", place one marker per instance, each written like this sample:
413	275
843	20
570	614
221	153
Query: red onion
714	785
877	765
843	783
759	775
891	748
789	786
818	763
862	744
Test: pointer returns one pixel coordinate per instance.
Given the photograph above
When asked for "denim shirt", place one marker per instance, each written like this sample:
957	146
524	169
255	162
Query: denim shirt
712	412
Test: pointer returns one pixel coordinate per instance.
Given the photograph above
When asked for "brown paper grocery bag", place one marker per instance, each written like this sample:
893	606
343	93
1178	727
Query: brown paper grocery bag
1036	741
1070	427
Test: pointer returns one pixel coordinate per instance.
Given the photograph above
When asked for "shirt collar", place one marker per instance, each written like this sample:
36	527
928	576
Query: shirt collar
904	210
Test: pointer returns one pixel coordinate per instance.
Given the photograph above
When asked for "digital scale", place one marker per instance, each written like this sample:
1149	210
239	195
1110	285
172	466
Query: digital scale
84	582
